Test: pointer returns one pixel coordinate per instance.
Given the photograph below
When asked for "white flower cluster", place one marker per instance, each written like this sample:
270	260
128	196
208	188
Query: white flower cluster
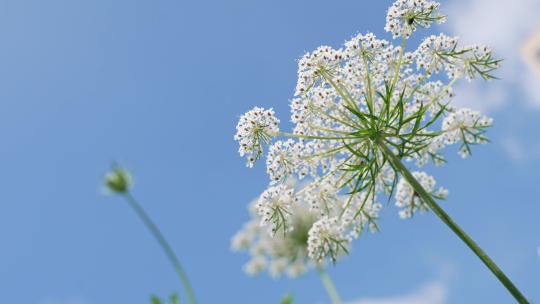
275	208
442	52
356	111
327	237
254	128
322	197
282	159
404	16
308	66
465	126
409	201
431	54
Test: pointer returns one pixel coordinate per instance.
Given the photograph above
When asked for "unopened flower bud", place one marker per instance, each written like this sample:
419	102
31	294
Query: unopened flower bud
118	180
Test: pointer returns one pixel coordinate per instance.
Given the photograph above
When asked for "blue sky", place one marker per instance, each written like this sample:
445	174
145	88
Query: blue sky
159	86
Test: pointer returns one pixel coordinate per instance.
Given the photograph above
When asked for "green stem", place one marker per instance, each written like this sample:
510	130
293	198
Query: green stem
329	285
156	233
400	61
315	137
426	197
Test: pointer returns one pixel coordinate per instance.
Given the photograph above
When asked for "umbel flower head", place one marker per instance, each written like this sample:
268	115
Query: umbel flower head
356	110
255	128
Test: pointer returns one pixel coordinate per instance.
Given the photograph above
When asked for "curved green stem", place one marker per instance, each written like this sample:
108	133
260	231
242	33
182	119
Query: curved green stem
156	233
426	197
329	285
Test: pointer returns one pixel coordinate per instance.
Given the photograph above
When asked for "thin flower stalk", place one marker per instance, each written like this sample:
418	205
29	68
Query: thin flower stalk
119	181
165	246
329	285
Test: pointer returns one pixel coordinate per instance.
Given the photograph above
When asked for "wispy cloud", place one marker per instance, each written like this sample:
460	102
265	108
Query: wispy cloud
429	293
519	150
480	98
504	25
514	149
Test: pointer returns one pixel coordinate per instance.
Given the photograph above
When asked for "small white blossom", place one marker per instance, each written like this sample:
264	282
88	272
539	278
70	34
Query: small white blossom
275	208
322	197
404	16
306	110
432	151
409	201
362	211
283	159
255	128
465	126
296	268
365	44
255	265
327	238
278	267
437	53
244	238
477	60
310	64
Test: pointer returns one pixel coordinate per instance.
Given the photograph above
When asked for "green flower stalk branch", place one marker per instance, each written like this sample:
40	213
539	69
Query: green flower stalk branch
118	181
358	111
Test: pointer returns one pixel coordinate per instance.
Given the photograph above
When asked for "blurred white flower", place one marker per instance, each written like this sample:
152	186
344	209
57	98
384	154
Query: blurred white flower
278	253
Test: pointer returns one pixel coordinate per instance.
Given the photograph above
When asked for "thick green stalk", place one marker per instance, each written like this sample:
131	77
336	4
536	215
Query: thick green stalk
156	233
329	285
426	197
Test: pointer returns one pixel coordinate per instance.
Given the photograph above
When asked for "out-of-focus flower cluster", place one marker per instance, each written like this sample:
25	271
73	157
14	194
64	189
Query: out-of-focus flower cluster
350	105
308	228
279	253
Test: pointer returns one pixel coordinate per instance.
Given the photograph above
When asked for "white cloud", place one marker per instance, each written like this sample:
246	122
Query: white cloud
530	83
430	293
520	151
480	98
514	149
504	25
